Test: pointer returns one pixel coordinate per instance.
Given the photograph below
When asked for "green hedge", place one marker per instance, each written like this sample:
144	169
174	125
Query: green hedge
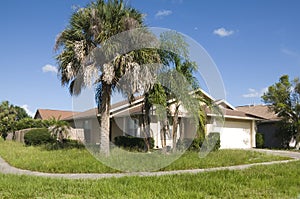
38	137
65	144
133	143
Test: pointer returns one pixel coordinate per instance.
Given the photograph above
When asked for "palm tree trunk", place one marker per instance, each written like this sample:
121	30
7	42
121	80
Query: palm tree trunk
175	127
181	130
104	123
147	107
165	130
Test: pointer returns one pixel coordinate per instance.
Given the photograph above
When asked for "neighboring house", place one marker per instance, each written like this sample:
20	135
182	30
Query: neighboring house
268	125
238	131
45	114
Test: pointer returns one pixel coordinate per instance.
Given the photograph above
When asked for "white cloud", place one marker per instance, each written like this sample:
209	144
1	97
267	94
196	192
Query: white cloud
49	68
222	32
253	93
163	13
26	108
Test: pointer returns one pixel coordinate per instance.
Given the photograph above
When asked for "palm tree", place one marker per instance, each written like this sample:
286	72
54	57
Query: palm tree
179	93
89	56
59	129
177	87
179	82
156	96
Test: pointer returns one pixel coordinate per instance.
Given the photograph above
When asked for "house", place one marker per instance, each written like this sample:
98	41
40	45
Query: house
45	114
268	125
238	129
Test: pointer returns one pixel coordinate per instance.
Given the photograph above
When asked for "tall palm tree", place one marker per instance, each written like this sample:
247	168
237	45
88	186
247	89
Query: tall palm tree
180	82
88	56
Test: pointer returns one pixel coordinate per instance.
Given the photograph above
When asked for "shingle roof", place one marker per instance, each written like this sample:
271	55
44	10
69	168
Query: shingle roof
123	108
118	109
260	111
137	109
46	114
85	114
228	113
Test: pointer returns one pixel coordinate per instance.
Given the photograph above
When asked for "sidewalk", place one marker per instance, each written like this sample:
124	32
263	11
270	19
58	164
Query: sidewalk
5	168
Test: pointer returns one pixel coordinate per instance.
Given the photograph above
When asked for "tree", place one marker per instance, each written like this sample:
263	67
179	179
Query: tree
21	113
89	57
59	129
156	96
175	87
26	123
9	116
181	81
283	98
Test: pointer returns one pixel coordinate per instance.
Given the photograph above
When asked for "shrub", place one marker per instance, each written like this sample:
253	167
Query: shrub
190	144
132	143
259	140
4	135
212	141
37	137
65	144
27	123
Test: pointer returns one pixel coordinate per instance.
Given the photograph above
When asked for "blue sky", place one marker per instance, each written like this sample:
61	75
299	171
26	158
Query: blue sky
252	43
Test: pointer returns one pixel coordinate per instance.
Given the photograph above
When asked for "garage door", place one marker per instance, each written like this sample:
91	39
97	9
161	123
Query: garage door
236	135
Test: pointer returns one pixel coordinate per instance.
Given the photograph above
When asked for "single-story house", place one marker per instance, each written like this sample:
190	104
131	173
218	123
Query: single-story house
239	128
45	114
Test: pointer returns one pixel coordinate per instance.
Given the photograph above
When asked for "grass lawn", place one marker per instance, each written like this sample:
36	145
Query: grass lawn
272	181
81	161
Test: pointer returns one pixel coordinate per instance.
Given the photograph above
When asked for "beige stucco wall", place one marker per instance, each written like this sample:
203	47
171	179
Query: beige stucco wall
117	124
189	128
236	133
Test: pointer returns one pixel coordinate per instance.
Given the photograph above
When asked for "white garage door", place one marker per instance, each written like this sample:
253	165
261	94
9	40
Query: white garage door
236	135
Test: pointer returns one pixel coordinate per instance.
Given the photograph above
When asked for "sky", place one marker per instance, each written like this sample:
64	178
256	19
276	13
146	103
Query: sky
252	43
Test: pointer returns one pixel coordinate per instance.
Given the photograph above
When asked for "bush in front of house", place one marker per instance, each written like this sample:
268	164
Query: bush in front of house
65	144
212	141
38	136
259	140
132	143
190	144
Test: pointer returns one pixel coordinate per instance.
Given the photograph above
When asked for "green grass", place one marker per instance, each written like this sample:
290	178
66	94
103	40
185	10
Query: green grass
191	160
56	161
272	181
81	161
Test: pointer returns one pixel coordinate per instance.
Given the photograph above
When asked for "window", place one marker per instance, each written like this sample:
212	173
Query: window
132	127
86	125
